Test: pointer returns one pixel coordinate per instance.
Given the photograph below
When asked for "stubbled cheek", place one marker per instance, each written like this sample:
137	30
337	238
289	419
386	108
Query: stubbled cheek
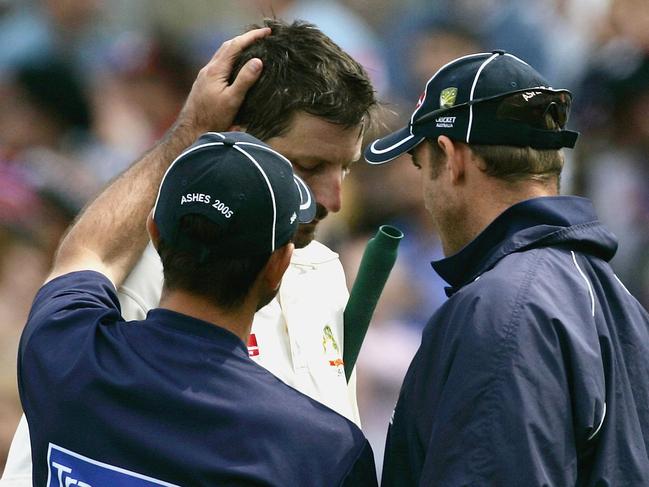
429	197
304	235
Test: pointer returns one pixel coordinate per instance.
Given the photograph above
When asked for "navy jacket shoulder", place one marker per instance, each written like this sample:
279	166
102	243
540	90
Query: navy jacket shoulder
512	384
171	399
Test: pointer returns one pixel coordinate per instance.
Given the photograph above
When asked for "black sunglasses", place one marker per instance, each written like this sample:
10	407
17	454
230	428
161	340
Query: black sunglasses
538	107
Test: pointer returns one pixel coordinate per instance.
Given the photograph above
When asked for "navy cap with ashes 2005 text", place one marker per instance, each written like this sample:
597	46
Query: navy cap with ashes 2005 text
240	184
486	98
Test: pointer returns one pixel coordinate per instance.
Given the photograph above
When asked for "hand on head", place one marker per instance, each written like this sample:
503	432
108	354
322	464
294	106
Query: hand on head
213	102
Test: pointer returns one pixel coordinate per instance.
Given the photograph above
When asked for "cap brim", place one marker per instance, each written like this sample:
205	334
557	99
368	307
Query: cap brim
391	146
307	201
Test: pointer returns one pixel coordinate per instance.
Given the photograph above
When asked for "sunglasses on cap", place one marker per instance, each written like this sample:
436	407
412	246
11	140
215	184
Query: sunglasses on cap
540	108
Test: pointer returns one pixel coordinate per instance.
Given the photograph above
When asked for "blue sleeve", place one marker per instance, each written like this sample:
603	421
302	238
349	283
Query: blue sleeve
61	328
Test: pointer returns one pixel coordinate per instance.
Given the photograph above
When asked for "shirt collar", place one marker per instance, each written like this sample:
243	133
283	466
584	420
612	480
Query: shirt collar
518	227
193	326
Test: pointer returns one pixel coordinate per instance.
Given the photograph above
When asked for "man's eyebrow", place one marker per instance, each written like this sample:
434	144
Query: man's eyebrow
317	160
308	158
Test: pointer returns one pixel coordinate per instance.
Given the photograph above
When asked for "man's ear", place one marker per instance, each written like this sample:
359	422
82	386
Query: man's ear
152	228
455	155
238	128
276	266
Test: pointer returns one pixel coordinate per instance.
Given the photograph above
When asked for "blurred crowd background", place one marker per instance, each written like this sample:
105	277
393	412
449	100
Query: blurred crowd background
87	85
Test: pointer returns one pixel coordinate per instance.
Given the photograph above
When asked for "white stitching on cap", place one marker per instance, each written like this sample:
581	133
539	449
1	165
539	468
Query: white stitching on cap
517	59
475	82
381	151
268	149
298	182
412	118
270	188
191	149
388	149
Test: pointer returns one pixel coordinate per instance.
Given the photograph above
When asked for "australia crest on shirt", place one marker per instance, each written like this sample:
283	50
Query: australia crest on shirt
332	350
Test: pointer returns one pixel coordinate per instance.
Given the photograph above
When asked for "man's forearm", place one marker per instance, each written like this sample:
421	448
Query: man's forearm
113	226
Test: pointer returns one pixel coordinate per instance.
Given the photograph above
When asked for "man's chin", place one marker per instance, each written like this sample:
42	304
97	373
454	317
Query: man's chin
304	235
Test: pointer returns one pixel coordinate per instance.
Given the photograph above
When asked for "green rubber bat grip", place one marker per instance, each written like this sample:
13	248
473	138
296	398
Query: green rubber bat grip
376	264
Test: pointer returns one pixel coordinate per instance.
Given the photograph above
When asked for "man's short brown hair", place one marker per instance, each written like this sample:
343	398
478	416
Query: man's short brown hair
304	70
225	281
515	164
509	163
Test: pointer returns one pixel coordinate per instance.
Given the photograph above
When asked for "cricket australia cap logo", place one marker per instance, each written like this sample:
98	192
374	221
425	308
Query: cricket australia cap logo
332	350
447	97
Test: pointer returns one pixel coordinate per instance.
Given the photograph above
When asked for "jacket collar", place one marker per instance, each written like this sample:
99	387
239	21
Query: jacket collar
539	222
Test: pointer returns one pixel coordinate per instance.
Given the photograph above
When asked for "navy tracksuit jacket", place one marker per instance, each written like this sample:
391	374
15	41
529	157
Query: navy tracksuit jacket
536	371
167	401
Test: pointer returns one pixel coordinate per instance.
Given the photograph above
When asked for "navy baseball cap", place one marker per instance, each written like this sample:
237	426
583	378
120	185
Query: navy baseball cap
240	184
486	98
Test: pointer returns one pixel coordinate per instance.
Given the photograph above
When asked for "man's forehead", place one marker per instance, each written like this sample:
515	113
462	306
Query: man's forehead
307	124
309	136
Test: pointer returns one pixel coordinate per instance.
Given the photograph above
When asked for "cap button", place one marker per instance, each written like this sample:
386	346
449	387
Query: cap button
229	142
499	51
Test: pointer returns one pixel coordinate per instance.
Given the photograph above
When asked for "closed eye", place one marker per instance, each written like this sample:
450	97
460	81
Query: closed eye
309	168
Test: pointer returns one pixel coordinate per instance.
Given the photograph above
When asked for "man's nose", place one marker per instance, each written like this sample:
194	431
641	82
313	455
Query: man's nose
329	190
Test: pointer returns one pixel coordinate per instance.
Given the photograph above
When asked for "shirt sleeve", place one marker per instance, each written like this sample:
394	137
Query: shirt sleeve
18	469
141	290
61	332
68	302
